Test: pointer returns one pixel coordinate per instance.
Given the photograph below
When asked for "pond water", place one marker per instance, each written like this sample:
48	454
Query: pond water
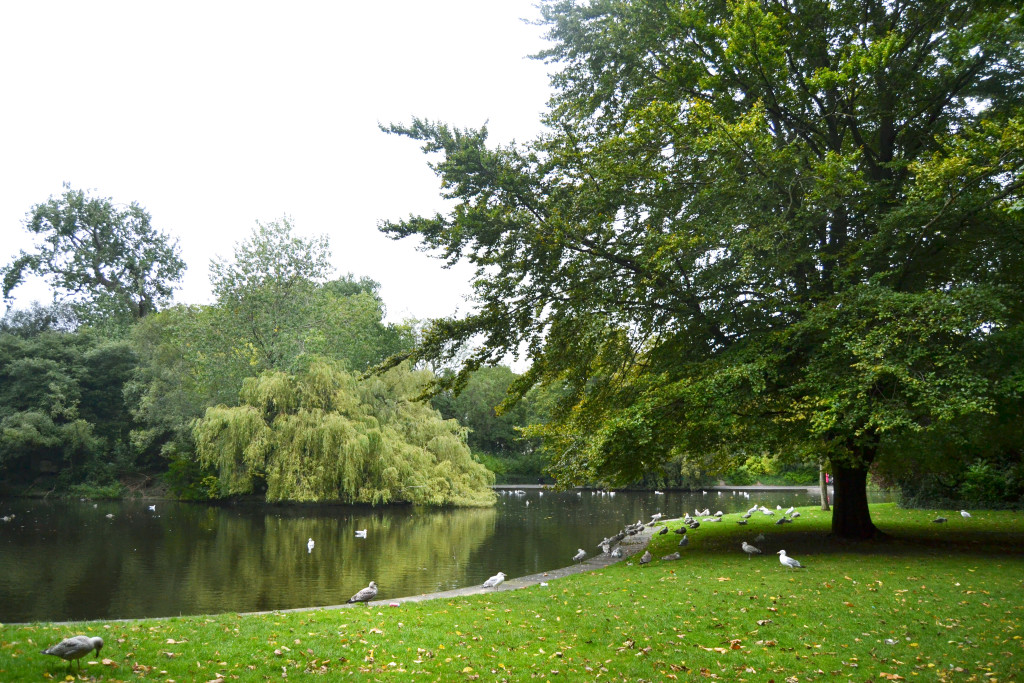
64	561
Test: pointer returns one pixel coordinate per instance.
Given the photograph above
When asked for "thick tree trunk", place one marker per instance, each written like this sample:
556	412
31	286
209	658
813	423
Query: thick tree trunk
850	515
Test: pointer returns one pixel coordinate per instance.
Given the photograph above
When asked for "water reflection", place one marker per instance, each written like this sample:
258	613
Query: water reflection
69	561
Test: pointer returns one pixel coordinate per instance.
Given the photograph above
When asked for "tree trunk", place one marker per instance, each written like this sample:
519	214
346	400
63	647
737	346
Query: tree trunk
823	486
851	518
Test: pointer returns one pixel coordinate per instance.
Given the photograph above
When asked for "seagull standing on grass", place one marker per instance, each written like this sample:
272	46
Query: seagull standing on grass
965	514
365	595
645	558
788	561
750	550
495	580
74	648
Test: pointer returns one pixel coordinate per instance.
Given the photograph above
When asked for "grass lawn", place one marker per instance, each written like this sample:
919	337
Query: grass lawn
930	602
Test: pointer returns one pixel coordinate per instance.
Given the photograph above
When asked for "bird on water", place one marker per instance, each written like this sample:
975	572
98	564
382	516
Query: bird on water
365	595
74	648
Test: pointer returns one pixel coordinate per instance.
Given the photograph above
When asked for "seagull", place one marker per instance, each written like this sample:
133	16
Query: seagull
751	550
645	558
495	580
365	595
152	508
741	521
794	515
7	518
746	515
672	556
74	648
965	514
788	561
360	533
578	557
789	510
109	515
309	545
761	538
617	552
656	516
939	520
685	541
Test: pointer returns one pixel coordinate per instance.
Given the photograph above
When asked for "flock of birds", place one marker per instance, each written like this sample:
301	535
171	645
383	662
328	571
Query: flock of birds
76	647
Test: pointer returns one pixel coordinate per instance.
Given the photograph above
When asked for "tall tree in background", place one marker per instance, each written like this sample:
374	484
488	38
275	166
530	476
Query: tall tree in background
108	258
776	225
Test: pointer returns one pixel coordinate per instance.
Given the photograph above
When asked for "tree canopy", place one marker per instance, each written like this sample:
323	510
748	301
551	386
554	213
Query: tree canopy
756	225
107	257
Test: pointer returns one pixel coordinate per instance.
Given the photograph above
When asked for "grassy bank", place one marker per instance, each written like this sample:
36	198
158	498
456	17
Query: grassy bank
931	602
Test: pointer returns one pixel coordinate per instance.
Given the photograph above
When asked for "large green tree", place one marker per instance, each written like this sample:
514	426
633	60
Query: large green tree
761	225
107	257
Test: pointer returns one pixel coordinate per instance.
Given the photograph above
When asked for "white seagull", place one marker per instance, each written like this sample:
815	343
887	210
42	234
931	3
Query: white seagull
309	545
750	550
74	648
495	580
360	533
365	595
788	561
152	508
965	514
578	557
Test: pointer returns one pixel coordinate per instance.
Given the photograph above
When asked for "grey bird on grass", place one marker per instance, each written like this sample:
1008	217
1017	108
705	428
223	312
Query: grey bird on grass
750	550
939	520
645	558
672	556
365	595
495	580
74	648
664	530
685	541
788	561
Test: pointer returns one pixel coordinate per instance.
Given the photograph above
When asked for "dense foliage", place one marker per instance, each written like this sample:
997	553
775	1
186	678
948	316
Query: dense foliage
754	227
324	435
112	263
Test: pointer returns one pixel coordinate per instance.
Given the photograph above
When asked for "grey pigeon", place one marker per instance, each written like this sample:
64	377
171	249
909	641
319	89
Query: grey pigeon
939	520
74	648
672	556
617	552
664	530
685	541
680	530
365	595
645	558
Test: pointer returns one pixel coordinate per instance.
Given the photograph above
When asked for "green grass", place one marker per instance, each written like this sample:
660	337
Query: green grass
930	602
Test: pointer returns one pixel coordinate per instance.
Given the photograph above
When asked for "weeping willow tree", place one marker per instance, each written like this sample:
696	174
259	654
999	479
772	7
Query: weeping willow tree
324	435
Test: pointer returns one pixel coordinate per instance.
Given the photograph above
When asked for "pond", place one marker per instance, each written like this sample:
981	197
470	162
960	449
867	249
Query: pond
65	561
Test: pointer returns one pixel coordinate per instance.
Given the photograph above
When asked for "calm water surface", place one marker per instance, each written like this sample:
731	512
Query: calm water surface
63	561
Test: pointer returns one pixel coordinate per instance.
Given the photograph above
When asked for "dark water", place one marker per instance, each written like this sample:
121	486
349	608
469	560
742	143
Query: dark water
62	561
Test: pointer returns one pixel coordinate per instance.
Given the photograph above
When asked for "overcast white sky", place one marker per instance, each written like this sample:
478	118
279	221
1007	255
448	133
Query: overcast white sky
213	115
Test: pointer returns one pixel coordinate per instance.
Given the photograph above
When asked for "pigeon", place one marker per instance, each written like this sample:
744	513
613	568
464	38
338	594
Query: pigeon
741	522
746	515
794	515
664	530
750	550
309	545
939	520
645	558
495	580
672	556
365	595
74	648
578	557
680	530
360	533
788	561
965	514
685	541
617	552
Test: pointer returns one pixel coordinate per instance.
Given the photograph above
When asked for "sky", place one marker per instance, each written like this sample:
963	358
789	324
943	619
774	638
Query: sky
215	115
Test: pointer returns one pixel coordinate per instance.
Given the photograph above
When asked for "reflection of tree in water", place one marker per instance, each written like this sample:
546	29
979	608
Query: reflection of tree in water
263	563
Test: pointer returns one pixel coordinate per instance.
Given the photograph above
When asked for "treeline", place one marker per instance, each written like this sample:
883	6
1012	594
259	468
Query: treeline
264	392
